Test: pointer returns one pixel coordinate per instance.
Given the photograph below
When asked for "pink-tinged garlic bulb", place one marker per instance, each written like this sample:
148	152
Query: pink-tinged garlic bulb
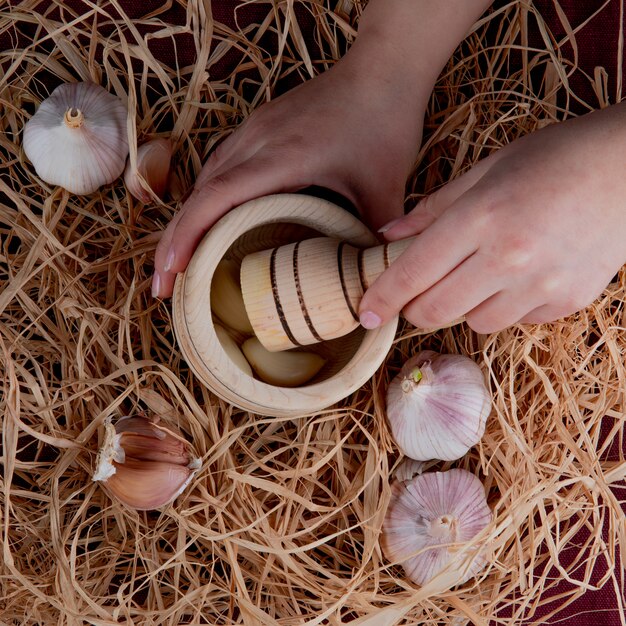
153	166
428	521
143	464
437	406
77	138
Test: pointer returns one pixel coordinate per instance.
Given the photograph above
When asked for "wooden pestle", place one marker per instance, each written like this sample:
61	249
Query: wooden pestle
309	291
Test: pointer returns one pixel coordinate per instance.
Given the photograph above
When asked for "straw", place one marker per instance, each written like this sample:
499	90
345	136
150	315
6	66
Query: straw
281	524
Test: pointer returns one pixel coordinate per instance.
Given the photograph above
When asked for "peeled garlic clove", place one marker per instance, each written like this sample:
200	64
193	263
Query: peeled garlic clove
232	350
77	138
285	369
153	165
226	299
437	406
143	464
428	520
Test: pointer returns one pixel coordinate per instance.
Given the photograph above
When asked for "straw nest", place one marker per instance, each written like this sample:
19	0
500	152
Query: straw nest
281	524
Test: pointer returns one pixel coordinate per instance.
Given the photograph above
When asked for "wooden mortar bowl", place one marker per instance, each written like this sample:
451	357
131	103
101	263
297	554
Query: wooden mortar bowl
257	225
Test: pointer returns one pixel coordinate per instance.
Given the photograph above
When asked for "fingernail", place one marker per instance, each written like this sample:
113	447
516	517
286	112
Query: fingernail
156	285
369	320
169	261
390	225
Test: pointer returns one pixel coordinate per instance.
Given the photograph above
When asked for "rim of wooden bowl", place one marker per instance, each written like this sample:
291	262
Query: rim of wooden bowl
195	331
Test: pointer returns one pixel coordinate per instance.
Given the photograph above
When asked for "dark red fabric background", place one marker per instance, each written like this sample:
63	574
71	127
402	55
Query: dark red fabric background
597	46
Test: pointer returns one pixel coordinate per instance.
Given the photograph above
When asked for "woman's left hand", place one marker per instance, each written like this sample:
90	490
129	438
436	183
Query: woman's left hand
532	233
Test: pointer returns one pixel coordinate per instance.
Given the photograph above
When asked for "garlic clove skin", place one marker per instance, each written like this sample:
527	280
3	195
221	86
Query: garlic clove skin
153	165
284	369
143	464
148	485
438	406
409	469
77	138
429	518
226	298
232	349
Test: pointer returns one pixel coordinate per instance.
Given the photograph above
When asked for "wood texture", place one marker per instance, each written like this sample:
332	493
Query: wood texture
256	225
309	291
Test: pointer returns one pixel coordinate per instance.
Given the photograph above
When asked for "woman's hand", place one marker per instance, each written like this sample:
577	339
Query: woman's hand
356	129
344	130
532	233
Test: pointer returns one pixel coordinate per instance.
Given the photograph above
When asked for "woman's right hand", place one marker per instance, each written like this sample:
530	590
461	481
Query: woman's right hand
352	130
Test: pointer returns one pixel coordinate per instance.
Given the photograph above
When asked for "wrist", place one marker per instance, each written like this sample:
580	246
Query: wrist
406	43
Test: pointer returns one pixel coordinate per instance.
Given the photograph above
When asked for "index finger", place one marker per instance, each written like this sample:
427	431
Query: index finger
436	252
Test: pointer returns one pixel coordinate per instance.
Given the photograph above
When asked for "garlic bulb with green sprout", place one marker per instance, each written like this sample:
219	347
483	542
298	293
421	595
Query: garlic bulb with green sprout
152	170
437	406
143	464
430	518
77	138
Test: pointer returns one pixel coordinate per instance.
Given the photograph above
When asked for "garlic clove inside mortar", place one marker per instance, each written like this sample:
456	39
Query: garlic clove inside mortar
226	298
232	349
437	406
77	138
153	166
428	520
143	464
284	369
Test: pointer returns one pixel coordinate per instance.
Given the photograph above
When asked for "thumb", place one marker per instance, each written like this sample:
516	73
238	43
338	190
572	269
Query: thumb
205	206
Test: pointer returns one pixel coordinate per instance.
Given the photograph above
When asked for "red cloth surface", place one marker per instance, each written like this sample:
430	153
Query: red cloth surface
597	46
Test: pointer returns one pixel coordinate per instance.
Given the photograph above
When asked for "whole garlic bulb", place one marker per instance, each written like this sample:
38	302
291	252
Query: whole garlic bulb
437	406
77	137
143	464
153	165
428	517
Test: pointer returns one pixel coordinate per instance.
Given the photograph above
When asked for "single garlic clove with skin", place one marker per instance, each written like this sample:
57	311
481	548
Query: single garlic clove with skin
428	520
284	369
409	469
437	406
77	138
143	464
232	350
226	299
153	165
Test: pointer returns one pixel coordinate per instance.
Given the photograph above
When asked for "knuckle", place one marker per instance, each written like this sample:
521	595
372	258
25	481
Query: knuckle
407	279
427	314
484	324
216	184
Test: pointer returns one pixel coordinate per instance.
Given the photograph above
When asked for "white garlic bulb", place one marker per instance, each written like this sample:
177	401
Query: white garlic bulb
437	406
153	165
143	464
428	520
77	137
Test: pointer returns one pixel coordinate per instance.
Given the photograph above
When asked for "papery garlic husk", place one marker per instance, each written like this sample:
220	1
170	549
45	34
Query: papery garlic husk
77	138
409	469
437	406
232	349
153	165
430	523
226	298
284	369
143	464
